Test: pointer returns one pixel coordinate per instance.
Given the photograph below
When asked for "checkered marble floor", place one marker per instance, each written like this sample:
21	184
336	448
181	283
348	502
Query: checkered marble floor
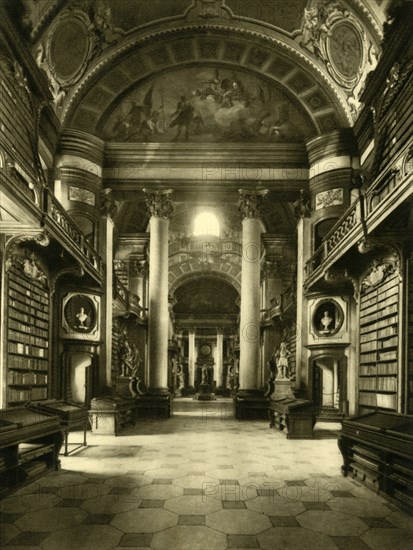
201	481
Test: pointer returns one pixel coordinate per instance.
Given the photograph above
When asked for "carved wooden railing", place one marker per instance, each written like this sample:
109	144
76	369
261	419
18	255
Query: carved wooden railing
64	225
385	192
129	299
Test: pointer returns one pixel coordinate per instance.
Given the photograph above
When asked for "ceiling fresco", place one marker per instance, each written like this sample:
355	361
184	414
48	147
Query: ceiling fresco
207	105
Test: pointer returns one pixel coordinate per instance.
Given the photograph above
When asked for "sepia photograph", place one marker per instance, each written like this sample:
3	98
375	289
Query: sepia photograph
206	274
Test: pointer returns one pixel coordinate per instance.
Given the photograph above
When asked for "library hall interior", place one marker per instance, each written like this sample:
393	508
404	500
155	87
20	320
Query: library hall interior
206	274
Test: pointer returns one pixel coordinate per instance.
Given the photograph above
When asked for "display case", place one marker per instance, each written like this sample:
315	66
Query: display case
294	417
70	416
29	446
377	450
108	415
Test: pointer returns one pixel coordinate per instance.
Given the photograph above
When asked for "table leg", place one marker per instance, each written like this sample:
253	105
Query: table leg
66	441
84	433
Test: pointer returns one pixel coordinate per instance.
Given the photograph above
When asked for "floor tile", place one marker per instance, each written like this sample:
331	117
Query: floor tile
388	539
98	519
191	520
136	540
144	520
377	522
233	505
350	543
294	538
242	541
152	503
83	537
8	532
183	537
284	521
193	505
238	522
332	523
47	519
28	538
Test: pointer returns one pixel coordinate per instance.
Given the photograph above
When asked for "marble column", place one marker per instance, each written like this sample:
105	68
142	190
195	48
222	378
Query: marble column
219	357
191	357
160	207
249	368
108	210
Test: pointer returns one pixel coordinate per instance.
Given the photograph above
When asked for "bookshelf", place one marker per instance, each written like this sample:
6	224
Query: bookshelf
379	340
27	338
409	385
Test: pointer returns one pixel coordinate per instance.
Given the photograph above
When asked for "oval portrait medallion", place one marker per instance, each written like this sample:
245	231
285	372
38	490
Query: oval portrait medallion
69	48
346	50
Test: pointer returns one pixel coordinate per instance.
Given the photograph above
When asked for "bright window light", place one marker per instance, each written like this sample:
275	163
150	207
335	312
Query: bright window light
206	223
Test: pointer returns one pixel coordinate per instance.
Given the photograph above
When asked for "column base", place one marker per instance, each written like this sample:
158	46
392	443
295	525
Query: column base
156	403
251	405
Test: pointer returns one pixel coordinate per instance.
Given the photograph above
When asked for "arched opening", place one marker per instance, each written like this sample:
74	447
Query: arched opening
206	223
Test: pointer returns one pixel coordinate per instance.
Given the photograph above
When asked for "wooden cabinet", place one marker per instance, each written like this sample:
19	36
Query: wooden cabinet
29	447
294	417
110	414
377	450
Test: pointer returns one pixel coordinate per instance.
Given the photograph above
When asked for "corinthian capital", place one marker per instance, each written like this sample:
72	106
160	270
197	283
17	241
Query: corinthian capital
159	203
249	203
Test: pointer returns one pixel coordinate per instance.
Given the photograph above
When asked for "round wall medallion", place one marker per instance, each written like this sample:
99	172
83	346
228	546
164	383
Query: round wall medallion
328	318
80	313
346	50
69	48
205	349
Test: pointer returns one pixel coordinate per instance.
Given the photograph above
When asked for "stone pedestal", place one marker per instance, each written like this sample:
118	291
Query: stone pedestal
204	392
282	390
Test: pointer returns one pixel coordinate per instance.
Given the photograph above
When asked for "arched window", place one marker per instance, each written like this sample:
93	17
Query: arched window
206	223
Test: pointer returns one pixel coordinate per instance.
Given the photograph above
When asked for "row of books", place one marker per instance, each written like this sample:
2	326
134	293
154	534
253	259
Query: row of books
383	400
37	288
378	369
388	342
387	355
388	310
33	394
24	318
28	363
379	383
26	308
389	283
40	303
29	339
30	377
390	297
34	296
26	349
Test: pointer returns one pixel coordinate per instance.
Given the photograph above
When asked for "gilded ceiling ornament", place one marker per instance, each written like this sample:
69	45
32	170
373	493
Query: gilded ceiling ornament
249	204
336	37
159	203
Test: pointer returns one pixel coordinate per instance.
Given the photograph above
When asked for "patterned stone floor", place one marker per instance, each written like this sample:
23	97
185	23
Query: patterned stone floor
201	481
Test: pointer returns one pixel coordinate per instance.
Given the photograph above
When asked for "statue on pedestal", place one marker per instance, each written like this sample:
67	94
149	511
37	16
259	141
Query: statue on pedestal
281	357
